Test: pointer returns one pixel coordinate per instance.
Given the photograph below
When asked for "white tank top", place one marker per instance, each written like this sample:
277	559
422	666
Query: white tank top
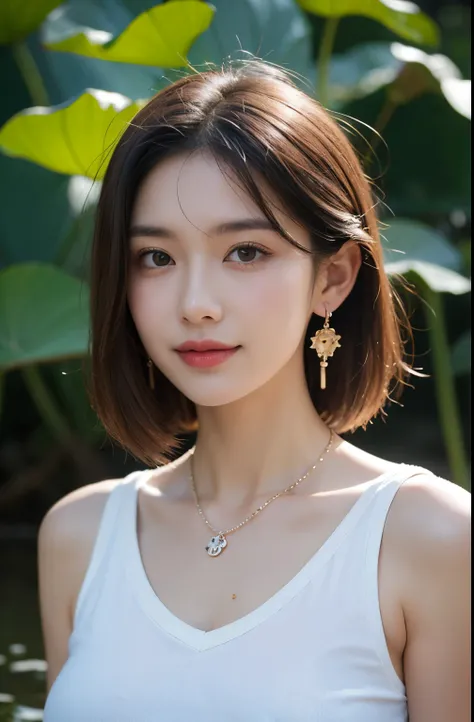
314	652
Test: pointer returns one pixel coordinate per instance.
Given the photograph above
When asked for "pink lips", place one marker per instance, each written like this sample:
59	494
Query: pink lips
206	353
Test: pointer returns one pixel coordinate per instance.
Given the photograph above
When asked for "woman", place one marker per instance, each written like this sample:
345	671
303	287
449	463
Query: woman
274	571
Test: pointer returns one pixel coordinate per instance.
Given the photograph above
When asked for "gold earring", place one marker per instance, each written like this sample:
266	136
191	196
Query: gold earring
325	341
151	375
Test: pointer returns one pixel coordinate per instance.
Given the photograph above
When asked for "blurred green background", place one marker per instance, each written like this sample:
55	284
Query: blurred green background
72	73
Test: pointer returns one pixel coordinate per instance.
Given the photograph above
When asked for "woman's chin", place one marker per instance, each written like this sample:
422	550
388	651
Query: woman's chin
213	400
213	395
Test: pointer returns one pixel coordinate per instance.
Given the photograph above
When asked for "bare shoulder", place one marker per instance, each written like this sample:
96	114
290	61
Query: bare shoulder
65	542
76	515
431	513
428	534
67	534
428	531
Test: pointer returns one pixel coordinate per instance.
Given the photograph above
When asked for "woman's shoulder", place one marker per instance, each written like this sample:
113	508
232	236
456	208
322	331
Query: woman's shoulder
78	511
428	533
66	538
430	509
76	516
68	531
427	552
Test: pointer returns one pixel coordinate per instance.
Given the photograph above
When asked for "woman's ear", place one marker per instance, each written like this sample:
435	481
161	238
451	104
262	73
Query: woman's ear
336	278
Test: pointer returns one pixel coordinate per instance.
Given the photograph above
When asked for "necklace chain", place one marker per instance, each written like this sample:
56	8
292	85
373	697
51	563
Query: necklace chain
222	534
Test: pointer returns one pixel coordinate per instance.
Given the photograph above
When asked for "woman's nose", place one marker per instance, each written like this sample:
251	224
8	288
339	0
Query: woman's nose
199	300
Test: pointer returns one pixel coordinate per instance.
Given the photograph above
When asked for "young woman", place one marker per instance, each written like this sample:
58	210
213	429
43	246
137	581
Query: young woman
274	571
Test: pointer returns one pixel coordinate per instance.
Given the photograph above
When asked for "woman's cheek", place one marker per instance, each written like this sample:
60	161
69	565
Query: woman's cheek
284	294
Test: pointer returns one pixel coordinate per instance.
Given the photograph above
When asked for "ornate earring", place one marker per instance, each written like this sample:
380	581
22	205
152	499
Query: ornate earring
151	375
325	341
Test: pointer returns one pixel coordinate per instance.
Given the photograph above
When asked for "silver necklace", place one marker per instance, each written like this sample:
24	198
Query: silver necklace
218	542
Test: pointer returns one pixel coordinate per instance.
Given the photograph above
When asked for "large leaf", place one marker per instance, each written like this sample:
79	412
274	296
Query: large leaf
35	212
73	254
67	377
426	154
43	315
74	138
405	71
67	75
58	225
411	247
276	30
422	73
457	92
439	279
161	36
18	22
360	71
402	17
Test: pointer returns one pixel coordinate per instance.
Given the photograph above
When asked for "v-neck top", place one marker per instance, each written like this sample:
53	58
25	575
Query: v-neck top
315	651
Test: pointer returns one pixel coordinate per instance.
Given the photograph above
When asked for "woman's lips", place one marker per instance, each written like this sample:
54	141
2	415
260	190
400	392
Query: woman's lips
206	359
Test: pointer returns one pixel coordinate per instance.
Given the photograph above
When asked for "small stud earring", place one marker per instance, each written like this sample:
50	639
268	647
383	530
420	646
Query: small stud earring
151	374
325	341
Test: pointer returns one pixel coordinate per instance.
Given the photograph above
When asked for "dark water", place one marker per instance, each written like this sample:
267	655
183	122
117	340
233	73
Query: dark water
22	665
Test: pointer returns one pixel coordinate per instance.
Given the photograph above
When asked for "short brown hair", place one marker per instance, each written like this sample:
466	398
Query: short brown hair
257	123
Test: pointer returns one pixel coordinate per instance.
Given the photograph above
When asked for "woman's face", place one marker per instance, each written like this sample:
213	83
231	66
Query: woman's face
195	277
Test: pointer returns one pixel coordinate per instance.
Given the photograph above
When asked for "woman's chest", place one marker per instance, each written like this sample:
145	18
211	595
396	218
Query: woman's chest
258	560
272	679
265	564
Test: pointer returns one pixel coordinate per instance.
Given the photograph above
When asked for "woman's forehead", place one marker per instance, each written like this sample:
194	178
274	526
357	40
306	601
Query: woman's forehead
192	184
194	189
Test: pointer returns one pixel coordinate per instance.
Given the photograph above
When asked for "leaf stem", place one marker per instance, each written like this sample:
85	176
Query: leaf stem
324	58
383	119
30	73
69	240
445	388
46	404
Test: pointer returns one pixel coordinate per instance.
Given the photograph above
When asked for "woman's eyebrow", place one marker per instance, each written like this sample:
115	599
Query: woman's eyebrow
242	224
233	226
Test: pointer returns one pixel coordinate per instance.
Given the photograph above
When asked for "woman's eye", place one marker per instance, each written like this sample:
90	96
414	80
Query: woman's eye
155	259
247	253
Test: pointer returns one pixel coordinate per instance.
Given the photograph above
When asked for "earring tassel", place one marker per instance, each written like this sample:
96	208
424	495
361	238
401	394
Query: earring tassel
323	365
151	375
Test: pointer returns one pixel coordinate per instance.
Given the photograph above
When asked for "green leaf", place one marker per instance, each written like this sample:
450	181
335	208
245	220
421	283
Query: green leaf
423	73
458	94
276	30
361	71
427	154
411	247
68	379
402	17
74	138
439	279
405	71
35	235
461	355
161	36
465	249
18	22
67	75
43	315
418	241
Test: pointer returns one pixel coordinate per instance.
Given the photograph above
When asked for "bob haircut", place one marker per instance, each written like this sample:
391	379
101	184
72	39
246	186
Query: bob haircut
257	125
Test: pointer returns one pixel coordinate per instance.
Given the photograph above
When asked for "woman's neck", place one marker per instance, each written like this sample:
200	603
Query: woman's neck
257	446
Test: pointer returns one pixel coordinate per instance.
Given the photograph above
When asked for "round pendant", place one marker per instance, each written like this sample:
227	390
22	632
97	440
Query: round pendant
216	545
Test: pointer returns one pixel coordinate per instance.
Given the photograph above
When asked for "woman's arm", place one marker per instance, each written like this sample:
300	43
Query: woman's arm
54	583
432	517
65	542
